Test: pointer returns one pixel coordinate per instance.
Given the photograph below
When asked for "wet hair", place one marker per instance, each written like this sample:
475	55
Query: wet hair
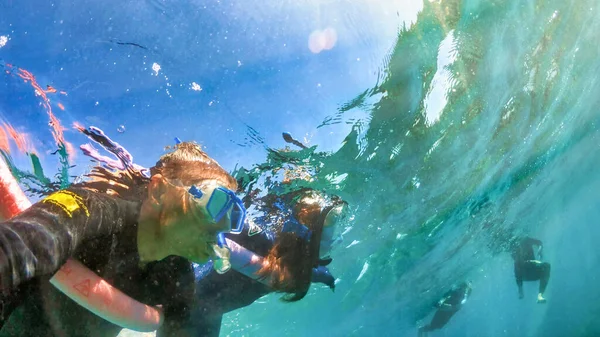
187	163
125	184
190	165
290	261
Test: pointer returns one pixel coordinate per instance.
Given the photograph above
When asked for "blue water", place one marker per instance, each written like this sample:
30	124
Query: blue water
449	127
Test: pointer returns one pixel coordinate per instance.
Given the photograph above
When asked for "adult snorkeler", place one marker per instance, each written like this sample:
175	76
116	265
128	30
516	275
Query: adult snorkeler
138	232
284	247
528	267
449	305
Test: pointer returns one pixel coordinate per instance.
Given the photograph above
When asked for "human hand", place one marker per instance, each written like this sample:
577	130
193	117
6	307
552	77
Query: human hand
521	294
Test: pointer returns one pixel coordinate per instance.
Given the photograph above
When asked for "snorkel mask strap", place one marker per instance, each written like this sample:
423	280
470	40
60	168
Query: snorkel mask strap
196	192
221	240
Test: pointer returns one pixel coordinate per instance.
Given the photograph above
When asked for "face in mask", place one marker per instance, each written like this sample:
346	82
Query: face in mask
185	220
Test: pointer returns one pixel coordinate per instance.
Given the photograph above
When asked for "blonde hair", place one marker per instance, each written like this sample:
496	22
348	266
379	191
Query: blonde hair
187	164
190	165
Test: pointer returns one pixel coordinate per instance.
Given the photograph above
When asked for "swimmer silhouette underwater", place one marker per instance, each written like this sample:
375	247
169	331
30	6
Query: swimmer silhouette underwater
449	305
100	221
528	267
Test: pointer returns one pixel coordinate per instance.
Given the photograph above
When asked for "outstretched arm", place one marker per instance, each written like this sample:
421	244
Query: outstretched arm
39	240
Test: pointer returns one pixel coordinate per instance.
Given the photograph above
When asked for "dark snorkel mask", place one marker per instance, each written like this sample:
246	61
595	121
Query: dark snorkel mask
322	238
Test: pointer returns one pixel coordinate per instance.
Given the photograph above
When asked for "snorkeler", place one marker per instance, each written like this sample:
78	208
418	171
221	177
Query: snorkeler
528	268
293	241
138	232
285	245
449	305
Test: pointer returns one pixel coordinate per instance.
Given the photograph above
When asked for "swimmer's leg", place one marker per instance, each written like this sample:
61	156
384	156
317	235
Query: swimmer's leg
439	320
536	270
544	270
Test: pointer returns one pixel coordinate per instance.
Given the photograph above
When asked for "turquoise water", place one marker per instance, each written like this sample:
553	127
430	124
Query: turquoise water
477	124
483	126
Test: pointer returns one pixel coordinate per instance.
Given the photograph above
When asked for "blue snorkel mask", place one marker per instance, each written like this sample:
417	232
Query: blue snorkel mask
221	202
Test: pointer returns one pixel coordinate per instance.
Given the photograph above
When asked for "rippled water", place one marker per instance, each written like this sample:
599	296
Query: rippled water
484	126
481	125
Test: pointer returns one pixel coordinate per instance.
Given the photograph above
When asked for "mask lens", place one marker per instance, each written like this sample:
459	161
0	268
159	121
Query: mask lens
238	214
222	201
219	204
